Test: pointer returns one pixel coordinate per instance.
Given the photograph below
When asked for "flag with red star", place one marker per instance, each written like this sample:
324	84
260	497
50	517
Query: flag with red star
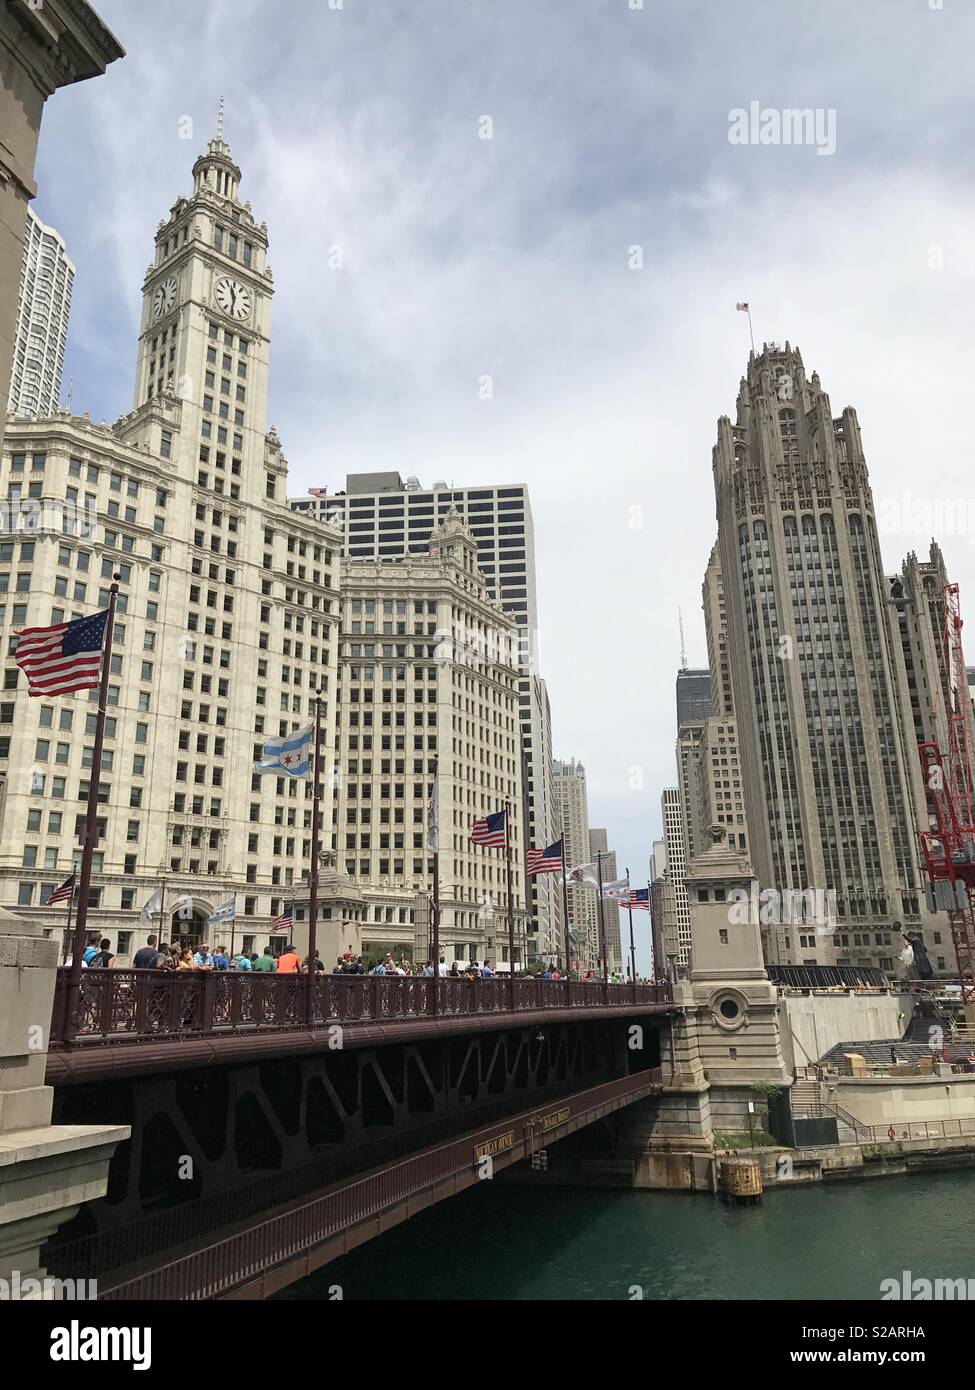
290	755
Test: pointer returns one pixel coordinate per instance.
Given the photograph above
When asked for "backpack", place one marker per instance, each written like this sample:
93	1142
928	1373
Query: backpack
90	953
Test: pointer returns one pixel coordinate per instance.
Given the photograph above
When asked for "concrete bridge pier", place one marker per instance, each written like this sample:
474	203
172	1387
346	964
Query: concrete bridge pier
46	1171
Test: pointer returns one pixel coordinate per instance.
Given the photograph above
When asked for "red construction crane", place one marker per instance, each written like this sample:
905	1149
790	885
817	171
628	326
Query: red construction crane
948	844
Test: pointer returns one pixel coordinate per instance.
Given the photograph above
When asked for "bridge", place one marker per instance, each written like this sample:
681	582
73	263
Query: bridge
279	1121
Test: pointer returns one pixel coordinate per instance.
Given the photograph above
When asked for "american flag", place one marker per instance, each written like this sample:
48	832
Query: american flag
742	307
639	899
65	657
490	830
281	926
545	861
63	892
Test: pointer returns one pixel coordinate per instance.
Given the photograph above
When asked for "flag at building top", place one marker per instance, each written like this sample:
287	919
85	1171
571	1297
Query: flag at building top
290	755
742	307
62	658
433	818
281	926
226	912
545	861
490	830
63	892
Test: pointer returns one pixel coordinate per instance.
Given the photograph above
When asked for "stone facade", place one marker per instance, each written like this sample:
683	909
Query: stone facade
570	792
832	786
429	674
228	608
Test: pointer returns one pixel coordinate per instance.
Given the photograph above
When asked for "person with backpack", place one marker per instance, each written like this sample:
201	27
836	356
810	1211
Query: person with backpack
103	957
91	950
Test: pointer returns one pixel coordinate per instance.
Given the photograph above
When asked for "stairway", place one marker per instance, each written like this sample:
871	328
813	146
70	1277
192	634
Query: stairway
807	1104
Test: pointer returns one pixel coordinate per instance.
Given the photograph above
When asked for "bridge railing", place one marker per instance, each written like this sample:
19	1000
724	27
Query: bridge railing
152	1005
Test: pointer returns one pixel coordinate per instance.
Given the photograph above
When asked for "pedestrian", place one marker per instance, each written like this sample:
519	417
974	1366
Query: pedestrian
103	956
221	961
146	956
893	1056
288	961
265	964
203	959
486	972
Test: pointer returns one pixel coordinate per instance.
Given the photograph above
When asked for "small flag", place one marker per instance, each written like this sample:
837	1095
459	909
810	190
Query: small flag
63	893
226	912
62	658
490	830
618	889
638	899
583	876
743	307
318	492
152	905
281	926
290	755
433	818
545	861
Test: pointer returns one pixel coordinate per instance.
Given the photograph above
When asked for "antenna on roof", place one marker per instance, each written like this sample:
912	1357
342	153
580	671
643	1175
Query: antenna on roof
683	649
220	120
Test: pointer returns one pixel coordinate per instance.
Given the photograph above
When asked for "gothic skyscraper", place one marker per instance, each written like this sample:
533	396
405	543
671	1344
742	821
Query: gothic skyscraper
831	776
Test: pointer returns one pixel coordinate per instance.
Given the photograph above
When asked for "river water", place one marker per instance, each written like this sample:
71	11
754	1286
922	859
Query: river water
504	1241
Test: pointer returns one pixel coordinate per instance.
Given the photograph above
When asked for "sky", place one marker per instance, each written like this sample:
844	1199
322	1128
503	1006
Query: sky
543	228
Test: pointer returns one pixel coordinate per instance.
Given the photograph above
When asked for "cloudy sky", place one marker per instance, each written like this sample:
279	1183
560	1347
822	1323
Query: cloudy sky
358	124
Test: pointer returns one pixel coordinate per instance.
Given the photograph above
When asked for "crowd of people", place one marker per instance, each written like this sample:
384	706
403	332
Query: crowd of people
160	955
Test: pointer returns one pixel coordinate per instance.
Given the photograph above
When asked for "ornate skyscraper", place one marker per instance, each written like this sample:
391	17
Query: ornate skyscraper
832	781
228	606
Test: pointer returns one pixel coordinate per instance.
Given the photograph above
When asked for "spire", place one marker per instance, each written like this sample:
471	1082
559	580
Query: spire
215	171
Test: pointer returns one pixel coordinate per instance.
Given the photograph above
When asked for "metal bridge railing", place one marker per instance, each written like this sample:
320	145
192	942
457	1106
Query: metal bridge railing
152	1005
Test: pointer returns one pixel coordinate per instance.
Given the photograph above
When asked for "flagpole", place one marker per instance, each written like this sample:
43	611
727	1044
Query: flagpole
313	872
632	947
73	1017
653	953
435	900
511	901
602	925
67	934
565	911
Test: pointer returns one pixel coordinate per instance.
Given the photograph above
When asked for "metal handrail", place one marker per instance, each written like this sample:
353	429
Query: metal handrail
153	1005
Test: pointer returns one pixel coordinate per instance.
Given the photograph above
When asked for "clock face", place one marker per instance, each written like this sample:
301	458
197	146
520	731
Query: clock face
164	297
233	298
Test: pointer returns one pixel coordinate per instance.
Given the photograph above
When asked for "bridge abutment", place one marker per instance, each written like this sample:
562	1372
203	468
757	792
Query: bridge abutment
46	1171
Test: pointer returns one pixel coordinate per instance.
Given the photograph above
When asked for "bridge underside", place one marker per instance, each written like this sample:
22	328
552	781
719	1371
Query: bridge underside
240	1178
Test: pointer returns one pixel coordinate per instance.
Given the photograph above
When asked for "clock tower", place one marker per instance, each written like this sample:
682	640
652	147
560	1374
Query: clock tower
205	330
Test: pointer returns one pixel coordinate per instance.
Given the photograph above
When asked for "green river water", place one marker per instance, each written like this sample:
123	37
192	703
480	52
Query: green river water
820	1242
